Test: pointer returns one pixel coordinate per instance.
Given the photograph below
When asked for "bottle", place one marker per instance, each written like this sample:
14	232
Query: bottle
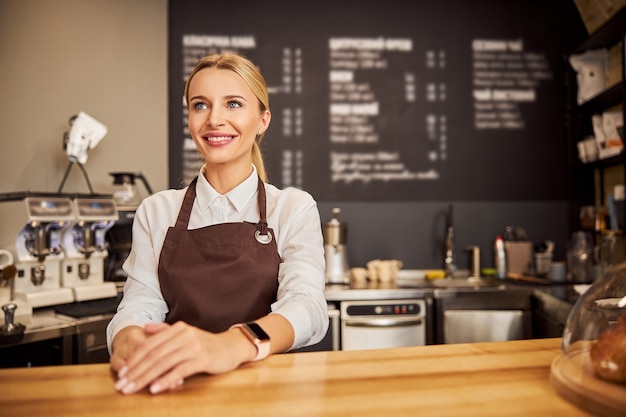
500	258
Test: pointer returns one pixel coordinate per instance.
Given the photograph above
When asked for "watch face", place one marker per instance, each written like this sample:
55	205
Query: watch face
257	331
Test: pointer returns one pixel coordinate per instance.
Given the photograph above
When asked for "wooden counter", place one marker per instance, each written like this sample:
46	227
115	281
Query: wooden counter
480	379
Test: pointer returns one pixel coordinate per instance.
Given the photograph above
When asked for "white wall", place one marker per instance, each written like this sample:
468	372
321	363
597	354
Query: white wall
107	58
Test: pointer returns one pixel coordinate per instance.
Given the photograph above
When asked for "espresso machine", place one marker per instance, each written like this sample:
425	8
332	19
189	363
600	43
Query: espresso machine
85	247
31	229
335	234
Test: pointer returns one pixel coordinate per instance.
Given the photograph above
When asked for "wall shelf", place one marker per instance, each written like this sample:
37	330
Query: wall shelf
588	184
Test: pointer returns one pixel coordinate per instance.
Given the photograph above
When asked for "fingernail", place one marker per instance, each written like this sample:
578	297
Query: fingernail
180	382
122	372
121	383
156	388
129	389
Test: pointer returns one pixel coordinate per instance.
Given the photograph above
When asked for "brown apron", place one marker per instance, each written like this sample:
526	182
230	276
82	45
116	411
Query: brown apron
219	275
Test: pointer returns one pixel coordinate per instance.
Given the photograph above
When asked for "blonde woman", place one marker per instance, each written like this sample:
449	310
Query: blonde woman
229	269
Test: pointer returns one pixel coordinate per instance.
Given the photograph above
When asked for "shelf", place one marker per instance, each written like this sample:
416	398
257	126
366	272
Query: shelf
588	181
599	103
606	36
603	163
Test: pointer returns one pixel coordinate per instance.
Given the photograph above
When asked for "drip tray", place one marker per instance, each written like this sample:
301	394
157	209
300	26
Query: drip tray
89	308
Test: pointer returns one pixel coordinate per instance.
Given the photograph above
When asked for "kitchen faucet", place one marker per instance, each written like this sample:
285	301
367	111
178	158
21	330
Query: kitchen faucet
448	260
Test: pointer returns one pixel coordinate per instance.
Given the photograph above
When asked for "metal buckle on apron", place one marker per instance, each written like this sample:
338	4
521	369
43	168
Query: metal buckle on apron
264	239
263	235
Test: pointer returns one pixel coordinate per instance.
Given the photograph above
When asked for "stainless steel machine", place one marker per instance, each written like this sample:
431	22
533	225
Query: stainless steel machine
85	248
31	229
335	235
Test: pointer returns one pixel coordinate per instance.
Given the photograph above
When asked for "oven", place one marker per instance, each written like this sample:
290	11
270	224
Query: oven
382	323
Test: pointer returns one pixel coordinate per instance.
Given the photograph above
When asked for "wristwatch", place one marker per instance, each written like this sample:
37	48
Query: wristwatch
257	336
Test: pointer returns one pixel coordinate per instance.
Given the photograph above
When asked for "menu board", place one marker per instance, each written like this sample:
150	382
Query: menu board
394	100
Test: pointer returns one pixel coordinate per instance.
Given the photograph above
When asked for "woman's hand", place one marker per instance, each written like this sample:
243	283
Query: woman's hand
125	343
161	356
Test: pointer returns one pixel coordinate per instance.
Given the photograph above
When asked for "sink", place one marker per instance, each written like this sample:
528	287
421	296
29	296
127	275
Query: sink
470	282
416	279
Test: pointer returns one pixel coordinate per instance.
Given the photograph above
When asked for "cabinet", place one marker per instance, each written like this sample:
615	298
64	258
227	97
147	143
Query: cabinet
52	339
591	183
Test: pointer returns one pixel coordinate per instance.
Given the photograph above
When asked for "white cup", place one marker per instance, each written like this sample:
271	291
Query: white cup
358	274
558	272
388	269
372	269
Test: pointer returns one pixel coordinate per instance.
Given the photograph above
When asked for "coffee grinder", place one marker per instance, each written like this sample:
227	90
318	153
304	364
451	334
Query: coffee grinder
86	249
335	234
119	238
31	228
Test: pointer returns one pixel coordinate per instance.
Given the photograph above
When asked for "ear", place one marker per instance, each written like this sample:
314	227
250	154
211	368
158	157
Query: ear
266	117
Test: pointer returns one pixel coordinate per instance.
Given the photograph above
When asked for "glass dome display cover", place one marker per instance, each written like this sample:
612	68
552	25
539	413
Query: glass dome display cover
597	309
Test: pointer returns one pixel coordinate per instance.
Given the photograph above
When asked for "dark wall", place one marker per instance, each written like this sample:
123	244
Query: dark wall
414	231
433	140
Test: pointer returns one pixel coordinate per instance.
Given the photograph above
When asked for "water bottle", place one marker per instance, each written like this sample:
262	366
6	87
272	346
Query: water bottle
500	258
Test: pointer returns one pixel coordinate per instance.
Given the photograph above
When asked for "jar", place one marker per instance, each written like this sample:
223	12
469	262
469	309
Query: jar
611	249
580	257
587	217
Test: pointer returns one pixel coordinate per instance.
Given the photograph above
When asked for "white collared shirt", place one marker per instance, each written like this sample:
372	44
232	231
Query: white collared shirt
291	213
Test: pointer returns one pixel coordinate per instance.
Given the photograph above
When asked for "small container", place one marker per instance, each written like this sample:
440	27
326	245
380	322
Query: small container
558	272
587	217
542	264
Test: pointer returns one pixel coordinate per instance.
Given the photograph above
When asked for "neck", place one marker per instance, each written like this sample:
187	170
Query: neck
224	178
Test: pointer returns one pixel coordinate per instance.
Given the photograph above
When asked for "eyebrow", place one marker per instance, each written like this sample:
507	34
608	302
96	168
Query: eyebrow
235	97
229	97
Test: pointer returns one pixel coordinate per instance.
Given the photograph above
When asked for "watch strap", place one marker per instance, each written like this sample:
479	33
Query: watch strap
262	346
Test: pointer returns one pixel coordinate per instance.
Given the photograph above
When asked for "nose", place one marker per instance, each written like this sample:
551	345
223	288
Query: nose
214	118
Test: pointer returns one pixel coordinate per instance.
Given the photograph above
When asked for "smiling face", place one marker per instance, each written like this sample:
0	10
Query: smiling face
224	119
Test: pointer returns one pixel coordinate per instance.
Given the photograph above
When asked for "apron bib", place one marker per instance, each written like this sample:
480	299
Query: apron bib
219	275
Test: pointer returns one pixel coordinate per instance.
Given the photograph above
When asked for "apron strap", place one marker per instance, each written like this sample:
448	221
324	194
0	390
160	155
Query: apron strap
262	226
185	210
190	195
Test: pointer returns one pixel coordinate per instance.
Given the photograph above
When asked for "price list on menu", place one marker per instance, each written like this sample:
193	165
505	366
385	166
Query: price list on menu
362	113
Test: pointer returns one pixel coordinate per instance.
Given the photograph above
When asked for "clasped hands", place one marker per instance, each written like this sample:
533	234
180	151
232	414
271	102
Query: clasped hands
160	356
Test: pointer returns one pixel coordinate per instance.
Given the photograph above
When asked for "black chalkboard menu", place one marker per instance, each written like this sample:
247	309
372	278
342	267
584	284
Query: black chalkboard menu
392	100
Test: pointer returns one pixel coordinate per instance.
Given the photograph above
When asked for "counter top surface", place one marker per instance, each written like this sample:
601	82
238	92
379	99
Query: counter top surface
480	379
419	288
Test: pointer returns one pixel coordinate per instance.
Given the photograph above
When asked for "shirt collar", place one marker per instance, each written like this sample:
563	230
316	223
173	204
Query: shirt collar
239	196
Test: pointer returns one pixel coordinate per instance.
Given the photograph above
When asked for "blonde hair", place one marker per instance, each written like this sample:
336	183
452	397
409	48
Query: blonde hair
253	78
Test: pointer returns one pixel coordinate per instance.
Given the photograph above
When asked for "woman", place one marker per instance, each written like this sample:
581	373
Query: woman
230	261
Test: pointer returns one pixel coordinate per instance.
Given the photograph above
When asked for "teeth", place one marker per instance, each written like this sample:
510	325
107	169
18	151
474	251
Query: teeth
218	138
